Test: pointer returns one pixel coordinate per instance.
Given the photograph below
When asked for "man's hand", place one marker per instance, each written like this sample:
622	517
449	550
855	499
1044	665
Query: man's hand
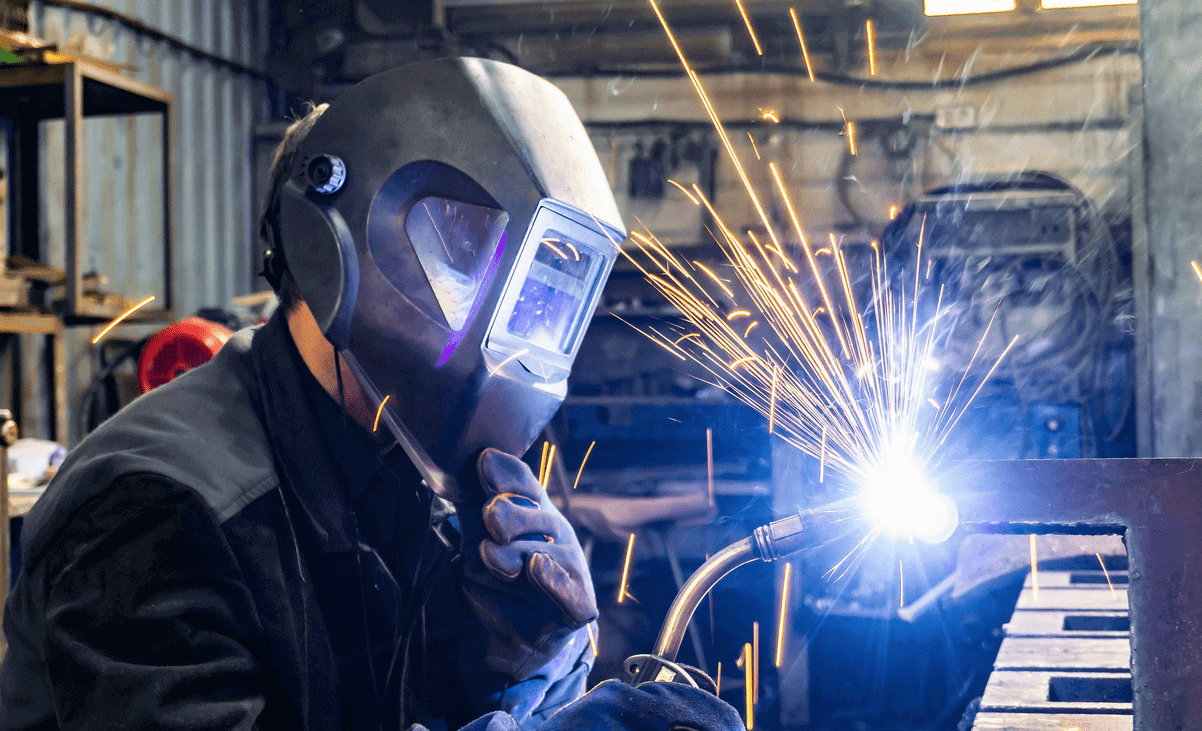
524	572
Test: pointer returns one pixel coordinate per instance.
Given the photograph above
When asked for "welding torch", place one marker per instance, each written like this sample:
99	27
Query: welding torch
770	542
909	508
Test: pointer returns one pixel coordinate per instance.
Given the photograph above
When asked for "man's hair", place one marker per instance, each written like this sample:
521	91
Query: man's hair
269	218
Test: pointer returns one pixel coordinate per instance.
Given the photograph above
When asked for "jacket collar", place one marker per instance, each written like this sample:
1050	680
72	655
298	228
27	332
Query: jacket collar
325	458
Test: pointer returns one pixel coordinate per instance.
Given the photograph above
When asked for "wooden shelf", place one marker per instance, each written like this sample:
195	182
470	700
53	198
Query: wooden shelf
33	92
36	323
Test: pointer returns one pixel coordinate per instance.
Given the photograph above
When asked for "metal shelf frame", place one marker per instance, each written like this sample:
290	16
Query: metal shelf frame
20	324
32	93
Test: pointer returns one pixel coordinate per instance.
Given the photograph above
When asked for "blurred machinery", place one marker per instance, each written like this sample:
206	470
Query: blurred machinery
1030	254
908	638
177	349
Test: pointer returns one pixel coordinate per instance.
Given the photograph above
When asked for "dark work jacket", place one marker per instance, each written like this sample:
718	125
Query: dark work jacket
231	552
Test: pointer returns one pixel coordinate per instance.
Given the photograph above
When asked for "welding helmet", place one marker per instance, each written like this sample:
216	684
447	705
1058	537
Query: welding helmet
450	227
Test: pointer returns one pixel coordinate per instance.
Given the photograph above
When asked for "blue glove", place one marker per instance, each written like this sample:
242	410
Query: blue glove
616	706
524	573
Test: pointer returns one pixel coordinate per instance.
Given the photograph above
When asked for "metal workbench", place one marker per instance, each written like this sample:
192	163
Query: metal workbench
1157	506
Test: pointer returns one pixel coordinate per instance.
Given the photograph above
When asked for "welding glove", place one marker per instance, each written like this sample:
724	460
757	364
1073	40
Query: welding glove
523	571
616	706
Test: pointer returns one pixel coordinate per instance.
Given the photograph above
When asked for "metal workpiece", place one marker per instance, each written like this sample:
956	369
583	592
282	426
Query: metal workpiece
1157	506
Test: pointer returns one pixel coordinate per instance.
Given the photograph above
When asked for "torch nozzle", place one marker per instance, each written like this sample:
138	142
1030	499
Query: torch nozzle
784	537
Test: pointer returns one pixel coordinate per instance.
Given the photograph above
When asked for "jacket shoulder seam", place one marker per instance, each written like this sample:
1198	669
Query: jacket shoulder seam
244	497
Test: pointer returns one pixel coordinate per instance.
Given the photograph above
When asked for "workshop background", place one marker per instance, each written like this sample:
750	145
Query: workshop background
1047	155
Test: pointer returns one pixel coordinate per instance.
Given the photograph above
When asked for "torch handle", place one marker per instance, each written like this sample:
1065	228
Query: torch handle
695	589
769	542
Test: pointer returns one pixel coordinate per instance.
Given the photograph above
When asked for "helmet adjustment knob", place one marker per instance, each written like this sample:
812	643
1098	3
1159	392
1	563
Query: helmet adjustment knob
326	174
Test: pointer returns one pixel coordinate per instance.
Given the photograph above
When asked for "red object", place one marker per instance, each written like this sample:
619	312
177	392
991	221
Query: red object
179	348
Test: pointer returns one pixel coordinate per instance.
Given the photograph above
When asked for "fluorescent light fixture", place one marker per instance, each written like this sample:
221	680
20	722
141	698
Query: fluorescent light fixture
1053	4
966	7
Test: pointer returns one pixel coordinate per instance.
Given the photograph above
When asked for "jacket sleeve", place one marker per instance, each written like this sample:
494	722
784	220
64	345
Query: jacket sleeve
535	698
147	618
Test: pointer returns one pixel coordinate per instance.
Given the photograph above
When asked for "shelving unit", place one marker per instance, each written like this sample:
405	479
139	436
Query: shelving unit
32	93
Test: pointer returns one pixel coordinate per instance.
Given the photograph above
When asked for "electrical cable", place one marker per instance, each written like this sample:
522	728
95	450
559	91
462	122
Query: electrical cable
93	408
1085	53
881	131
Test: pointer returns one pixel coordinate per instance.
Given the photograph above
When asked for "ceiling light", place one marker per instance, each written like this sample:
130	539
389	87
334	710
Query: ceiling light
1052	4
965	7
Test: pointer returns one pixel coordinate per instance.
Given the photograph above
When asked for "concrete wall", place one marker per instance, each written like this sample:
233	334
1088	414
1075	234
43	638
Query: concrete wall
1073	121
1077	121
1172	93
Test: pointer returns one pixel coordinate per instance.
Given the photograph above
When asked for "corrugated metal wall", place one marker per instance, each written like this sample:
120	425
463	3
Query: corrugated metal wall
215	110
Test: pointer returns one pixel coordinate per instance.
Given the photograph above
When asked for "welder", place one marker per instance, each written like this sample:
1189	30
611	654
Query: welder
325	526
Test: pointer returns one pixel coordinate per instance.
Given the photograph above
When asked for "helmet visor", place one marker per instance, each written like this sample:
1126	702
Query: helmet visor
560	281
553	289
